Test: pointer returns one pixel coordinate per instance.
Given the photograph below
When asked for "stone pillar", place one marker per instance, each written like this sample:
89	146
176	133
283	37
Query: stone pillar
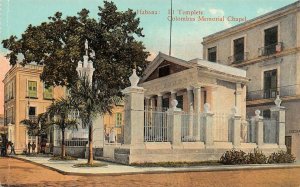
134	114
214	98
98	131
278	114
208	124
236	128
238	97
259	128
174	114
147	103
159	102
197	105
173	96
190	97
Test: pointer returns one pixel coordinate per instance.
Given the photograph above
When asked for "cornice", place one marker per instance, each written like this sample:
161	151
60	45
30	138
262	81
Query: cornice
266	18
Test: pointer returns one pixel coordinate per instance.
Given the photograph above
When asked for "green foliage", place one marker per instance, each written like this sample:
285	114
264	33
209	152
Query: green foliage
59	44
65	158
257	157
177	164
89	165
233	157
36	126
281	157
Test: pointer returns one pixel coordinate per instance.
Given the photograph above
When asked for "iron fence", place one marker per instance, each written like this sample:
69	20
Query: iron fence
270	131
156	126
221	127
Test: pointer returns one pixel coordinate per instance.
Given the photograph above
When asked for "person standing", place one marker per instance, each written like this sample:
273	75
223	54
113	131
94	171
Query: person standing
33	147
12	149
29	147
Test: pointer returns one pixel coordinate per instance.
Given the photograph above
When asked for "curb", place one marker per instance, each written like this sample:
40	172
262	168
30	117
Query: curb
228	168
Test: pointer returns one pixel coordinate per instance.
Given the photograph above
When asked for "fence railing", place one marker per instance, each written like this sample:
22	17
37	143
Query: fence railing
270	49
248	131
222	127
155	126
283	91
270	130
73	143
238	58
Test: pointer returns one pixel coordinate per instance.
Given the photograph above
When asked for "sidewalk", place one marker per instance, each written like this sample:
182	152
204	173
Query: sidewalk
66	167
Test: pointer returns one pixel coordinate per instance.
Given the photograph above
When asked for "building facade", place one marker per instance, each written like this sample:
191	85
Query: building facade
268	48
25	96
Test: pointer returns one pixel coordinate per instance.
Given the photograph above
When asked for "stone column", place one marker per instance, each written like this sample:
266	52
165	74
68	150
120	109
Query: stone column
214	98
147	103
238	97
259	128
278	114
159	102
173	96
174	114
191	112
236	128
197	105
98	131
208	124
134	114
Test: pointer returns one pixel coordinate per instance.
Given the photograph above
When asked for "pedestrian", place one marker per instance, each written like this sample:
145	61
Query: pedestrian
3	148
29	147
33	147
12	149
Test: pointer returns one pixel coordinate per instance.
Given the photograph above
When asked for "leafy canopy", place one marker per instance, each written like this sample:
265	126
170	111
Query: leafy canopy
59	44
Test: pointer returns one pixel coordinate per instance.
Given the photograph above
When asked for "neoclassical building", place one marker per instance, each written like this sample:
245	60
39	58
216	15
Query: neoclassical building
194	83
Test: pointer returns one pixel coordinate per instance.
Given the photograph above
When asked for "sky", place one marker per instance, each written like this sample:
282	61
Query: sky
188	30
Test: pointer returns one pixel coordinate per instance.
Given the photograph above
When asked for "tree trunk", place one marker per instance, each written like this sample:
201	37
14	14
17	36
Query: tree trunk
63	149
90	158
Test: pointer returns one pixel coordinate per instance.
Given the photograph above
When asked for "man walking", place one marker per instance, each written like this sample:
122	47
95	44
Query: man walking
29	147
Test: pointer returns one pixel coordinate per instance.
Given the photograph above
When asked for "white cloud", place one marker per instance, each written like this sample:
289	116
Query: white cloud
220	12
261	11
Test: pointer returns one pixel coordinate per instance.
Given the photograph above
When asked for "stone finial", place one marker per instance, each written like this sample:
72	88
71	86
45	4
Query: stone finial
206	108
234	110
257	113
174	103
277	101
134	79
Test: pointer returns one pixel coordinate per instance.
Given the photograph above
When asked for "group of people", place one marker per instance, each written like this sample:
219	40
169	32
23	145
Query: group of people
4	147
31	147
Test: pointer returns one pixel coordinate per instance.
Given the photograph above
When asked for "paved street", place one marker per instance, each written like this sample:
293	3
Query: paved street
19	173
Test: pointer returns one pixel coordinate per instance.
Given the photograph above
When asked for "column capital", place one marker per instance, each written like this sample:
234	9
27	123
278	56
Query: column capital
173	91
159	94
189	88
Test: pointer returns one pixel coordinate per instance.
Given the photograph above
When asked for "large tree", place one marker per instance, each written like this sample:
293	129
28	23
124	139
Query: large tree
59	44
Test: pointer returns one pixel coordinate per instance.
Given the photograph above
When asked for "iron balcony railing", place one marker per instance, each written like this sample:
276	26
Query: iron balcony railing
290	90
238	58
270	49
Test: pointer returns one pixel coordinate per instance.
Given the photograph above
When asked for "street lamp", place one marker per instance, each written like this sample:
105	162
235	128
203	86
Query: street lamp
85	68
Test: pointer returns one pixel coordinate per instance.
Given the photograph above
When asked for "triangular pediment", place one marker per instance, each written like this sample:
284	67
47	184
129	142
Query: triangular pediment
164	65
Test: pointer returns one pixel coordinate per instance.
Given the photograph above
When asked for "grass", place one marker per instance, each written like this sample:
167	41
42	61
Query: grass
177	164
66	158
89	165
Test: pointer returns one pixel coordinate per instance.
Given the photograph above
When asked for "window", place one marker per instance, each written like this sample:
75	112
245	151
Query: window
180	101
48	92
32	113
238	50
270	83
266	113
165	104
164	71
32	89
271	40
118	119
212	54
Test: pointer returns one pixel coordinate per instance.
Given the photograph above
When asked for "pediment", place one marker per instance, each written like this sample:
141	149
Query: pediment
164	65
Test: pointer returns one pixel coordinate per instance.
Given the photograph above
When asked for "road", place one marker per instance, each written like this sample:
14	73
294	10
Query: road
19	173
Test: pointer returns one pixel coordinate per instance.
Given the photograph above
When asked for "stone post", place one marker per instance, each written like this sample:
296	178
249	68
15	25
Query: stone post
278	114
208	124
197	104
236	129
259	128
174	114
238	97
134	113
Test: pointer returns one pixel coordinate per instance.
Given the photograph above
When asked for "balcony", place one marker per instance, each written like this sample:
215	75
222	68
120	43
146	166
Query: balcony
32	117
270	49
284	91
238	58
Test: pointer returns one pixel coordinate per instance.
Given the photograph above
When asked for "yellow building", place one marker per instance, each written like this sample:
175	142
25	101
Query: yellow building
25	96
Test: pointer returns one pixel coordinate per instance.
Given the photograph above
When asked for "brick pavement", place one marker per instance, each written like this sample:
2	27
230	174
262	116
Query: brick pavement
19	173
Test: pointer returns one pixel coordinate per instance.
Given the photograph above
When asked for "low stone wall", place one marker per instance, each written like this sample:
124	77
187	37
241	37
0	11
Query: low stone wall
187	154
78	152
